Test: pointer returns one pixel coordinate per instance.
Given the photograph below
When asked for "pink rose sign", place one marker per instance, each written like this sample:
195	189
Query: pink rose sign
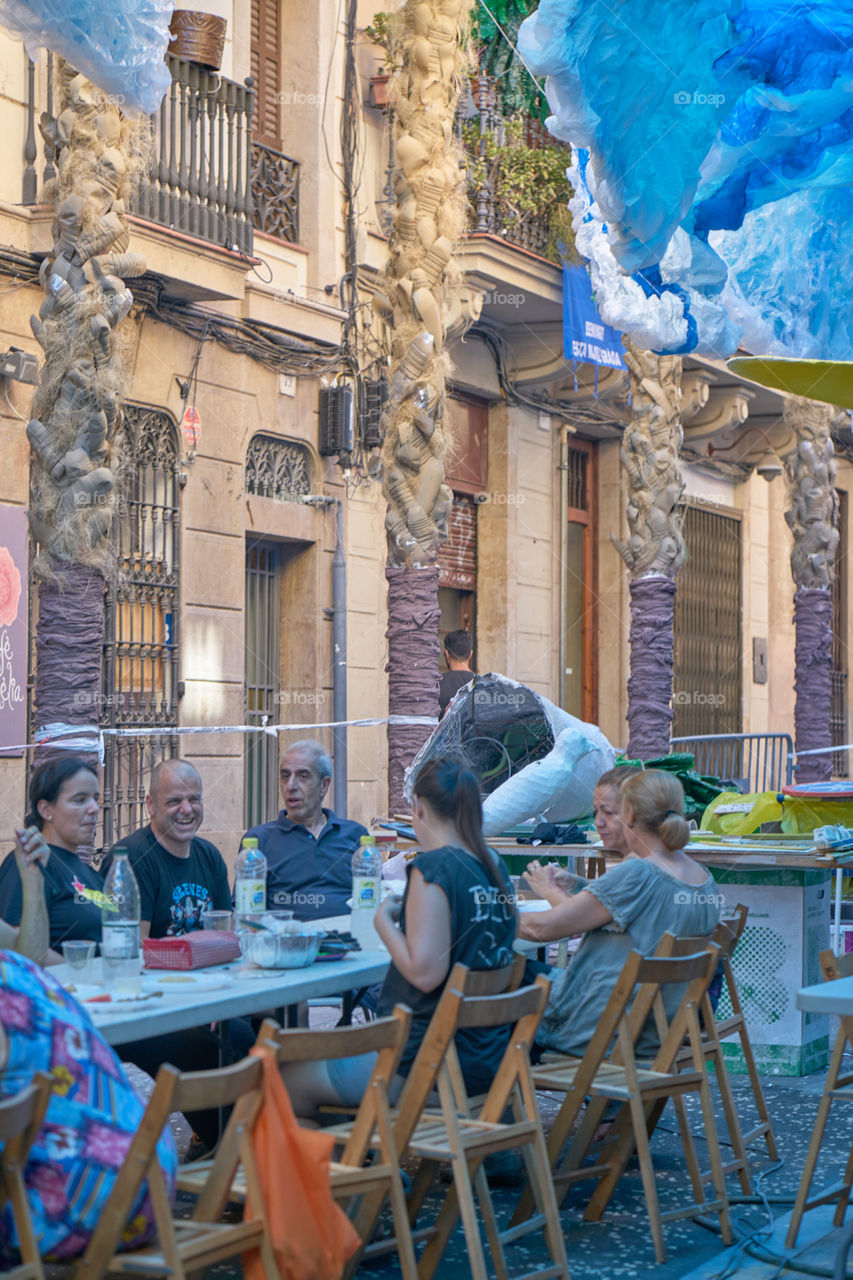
14	645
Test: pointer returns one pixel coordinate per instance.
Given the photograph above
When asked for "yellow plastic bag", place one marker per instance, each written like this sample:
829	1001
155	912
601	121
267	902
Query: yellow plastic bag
801	815
732	814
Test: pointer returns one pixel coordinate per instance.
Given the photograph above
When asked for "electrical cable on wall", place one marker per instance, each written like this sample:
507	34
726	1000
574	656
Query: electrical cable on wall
275	348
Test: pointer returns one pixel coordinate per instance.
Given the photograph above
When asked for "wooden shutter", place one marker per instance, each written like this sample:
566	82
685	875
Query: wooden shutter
266	72
580	651
465	465
457	559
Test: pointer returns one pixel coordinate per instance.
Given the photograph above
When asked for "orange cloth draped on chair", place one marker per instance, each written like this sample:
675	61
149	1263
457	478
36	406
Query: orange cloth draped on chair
311	1236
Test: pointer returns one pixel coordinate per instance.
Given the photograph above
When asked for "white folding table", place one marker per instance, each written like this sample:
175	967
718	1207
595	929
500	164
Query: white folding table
196	1004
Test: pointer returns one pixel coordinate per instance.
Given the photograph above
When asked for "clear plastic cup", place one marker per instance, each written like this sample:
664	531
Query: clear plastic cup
78	953
216	919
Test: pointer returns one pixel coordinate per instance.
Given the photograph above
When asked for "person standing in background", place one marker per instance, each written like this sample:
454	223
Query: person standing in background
458	648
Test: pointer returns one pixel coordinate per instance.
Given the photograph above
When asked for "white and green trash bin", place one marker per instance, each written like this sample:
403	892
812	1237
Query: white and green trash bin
786	929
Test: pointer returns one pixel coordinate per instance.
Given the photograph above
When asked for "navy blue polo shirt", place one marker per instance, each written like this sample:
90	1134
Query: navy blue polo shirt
312	877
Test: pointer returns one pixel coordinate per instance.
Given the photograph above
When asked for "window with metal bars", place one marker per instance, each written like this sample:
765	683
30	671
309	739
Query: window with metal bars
140	679
578	460
708	671
263	587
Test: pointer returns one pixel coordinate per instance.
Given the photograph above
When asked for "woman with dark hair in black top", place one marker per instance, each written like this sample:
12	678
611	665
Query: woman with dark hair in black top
64	806
458	906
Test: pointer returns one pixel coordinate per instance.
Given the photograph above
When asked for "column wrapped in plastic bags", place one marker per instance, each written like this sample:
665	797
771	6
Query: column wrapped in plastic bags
534	760
119	46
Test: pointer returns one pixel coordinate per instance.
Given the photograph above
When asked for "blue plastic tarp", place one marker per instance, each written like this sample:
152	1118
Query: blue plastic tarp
713	168
120	45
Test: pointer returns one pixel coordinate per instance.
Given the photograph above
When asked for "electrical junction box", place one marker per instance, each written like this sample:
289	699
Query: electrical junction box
20	366
374	396
759	660
336	412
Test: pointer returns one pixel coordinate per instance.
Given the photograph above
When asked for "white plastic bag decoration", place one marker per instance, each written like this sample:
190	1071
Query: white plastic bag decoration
535	761
120	46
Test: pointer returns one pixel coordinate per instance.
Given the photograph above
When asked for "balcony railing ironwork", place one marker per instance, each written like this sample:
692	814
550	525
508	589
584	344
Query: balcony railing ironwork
207	178
198	181
527	230
275	191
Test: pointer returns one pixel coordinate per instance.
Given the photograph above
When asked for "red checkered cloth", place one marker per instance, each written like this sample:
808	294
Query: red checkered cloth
194	950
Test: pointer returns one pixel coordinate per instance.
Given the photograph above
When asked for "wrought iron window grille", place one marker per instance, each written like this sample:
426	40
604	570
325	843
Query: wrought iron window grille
277	469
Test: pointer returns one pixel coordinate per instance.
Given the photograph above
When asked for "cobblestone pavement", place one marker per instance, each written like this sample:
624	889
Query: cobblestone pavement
620	1245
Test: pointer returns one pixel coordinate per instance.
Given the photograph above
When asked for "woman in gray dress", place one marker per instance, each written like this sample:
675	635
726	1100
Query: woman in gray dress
657	889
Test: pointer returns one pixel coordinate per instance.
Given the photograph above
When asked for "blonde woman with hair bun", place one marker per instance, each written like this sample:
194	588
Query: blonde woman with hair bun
657	889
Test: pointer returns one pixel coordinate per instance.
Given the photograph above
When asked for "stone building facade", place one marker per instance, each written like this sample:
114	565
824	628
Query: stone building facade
223	614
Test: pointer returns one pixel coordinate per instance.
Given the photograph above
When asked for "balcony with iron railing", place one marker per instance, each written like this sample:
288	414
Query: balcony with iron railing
206	178
507	159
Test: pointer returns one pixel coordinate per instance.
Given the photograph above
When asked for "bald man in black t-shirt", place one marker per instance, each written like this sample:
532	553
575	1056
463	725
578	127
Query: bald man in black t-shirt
180	876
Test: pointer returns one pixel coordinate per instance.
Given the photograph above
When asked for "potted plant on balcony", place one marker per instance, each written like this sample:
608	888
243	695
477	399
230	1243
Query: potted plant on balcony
380	32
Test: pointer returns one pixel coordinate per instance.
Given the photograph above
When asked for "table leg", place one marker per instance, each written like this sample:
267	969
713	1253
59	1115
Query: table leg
224	1057
836	928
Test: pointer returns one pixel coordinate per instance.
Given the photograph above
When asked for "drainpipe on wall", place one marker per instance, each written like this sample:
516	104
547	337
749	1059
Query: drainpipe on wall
338	615
339	662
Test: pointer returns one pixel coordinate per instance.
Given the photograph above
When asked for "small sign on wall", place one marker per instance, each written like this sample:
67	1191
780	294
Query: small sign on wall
14	646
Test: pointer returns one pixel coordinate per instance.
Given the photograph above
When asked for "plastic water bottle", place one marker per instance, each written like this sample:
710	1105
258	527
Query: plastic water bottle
120	952
250	879
366	893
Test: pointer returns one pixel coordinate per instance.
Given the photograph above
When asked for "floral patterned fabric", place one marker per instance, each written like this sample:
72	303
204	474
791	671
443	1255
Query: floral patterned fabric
91	1118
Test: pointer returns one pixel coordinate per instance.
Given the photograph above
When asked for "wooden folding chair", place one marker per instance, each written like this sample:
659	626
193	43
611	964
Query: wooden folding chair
637	993
481	982
448	1132
465	1140
186	1246
836	1088
21	1117
350	1176
735	1025
725	936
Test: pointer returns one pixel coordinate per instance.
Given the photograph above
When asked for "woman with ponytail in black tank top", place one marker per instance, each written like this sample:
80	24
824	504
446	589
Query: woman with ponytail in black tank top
458	906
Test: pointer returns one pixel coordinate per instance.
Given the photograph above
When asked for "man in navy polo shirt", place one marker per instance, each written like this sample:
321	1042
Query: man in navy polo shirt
308	848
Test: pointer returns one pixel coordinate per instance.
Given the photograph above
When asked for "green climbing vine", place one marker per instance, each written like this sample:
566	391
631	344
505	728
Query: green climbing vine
526	184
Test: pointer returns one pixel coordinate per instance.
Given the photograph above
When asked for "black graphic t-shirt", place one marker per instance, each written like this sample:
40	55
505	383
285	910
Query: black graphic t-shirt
174	892
72	890
483	924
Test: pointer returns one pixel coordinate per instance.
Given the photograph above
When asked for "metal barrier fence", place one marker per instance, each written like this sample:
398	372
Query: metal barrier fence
755	761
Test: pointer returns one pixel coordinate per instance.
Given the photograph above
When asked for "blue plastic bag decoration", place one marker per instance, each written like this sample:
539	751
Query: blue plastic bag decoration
120	45
713	166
